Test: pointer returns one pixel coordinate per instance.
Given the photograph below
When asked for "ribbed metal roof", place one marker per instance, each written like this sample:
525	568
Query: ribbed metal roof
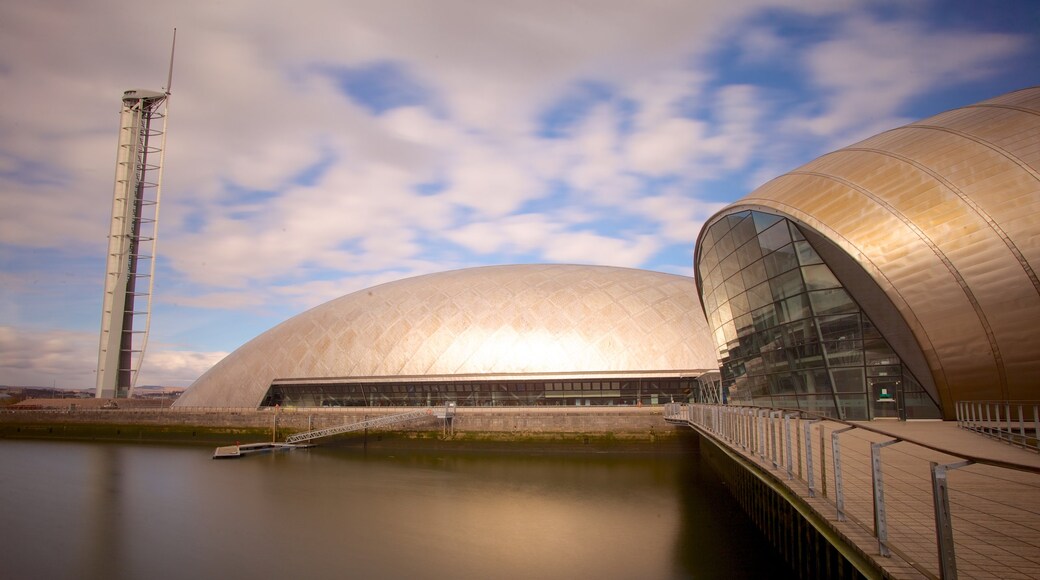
512	320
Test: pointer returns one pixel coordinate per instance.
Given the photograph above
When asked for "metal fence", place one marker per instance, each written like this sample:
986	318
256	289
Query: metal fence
1016	422
942	515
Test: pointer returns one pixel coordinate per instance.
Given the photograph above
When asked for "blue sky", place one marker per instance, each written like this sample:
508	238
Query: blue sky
322	147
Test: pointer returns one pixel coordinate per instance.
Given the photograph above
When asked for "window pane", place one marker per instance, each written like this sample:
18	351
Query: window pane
786	285
734	286
776	360
853	407
759	296
739	305
764	220
809	356
715	278
795	232
709	259
748	253
725	246
784	383
795	308
878	352
819	277
774	237
730	266
764	318
780	261
848	380
843	327
817	381
735	218
832	301
844	353
754	274
820	404
799	333
710	304
743	232
745	325
806	254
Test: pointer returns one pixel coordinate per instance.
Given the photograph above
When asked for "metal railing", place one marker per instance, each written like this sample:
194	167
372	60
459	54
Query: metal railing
1015	422
983	522
370	423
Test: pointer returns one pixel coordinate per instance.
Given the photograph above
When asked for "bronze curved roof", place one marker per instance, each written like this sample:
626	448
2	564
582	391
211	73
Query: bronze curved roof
944	215
512	320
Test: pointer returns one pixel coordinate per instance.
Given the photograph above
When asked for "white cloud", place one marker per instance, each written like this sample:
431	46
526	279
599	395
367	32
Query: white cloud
555	241
176	368
68	359
870	68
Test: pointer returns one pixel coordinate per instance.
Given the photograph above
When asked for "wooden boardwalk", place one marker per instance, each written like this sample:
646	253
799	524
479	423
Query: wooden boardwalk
995	510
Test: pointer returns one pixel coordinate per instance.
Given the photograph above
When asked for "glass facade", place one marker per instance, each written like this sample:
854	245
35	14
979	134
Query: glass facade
489	393
788	333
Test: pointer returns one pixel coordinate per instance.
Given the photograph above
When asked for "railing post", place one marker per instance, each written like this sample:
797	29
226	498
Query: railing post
823	462
808	457
761	432
787	446
1007	417
772	436
839	493
944	519
797	447
1036	426
880	518
1021	425
740	427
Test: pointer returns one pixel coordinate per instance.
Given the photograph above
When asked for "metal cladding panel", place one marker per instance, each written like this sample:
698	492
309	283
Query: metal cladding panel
944	215
517	320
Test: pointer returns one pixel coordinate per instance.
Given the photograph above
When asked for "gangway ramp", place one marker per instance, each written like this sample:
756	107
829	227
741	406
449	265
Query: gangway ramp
377	422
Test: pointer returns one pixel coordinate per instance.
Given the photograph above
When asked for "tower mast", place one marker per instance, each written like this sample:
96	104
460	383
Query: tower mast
130	265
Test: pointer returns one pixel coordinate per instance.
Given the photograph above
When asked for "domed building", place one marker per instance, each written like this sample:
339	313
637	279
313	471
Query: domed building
891	278
499	335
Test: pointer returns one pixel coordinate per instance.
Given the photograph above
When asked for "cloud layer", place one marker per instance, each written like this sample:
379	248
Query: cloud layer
319	148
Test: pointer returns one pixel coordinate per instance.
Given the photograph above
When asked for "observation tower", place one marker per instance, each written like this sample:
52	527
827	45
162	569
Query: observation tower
130	264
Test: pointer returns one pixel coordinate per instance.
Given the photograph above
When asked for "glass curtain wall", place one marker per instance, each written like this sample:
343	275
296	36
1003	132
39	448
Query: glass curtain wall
605	392
787	332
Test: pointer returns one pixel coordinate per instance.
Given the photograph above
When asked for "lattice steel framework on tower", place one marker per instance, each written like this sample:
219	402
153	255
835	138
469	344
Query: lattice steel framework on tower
131	242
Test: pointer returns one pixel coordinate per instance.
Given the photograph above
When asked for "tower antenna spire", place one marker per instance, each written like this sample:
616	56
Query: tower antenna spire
169	78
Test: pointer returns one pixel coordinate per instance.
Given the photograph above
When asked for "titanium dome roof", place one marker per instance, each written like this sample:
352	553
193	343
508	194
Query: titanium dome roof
944	216
492	320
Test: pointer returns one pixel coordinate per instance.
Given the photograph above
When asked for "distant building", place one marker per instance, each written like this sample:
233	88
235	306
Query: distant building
893	277
501	335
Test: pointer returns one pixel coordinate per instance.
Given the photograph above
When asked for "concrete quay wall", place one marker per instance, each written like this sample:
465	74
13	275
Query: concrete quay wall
490	423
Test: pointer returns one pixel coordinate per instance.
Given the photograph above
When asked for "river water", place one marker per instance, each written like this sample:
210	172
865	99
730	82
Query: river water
114	511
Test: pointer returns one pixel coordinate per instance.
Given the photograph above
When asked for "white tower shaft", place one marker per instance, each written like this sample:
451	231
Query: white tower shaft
131	243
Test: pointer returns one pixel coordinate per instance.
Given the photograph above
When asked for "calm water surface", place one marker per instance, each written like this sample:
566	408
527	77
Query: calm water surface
88	510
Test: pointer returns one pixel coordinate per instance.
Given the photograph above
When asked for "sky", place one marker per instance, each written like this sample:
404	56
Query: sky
320	147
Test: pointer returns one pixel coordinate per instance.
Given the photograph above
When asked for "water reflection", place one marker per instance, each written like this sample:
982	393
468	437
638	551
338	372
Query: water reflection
118	511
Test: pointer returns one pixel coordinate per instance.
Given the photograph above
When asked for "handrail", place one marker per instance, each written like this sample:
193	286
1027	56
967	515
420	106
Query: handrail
993	501
376	422
996	419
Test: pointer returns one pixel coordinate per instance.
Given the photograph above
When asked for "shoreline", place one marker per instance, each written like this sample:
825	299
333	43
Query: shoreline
500	430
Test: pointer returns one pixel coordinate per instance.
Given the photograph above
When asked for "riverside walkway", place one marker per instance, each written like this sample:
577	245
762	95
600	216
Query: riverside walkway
872	484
